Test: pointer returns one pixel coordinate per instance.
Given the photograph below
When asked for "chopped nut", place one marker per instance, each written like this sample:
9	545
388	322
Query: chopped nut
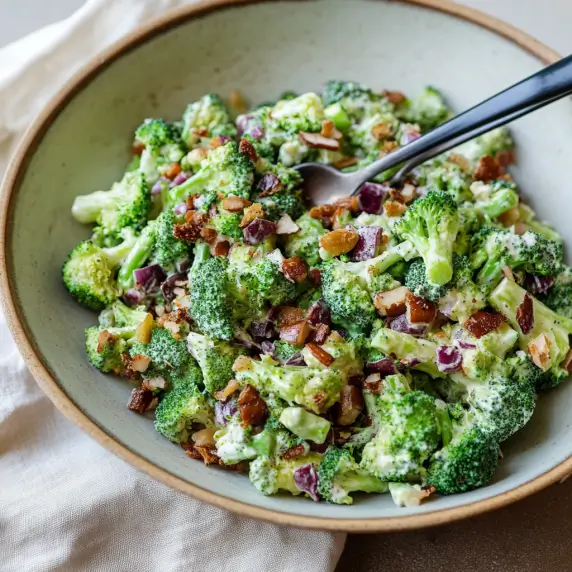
247	148
225	393
103	339
320	399
323	213
419	310
381	131
488	169
140	400
321	354
320	334
392	302
204	437
482	323
251	406
345	162
460	161
408	193
217	141
329	130
241	363
294	452
539	349
394	208
187	232
140	363
351	405
315	277
252	212
317	141
349	203
221	248
209	235
286	225
296	333
172	171
373	383
510	217
508	273
235	204
153	383
339	241
395	97
143	331
289	315
294	269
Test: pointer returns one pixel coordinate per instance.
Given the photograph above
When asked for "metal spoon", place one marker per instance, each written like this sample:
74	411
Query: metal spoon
323	183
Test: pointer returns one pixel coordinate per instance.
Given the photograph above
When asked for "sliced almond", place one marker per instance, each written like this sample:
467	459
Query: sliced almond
539	349
172	171
252	212
235	204
373	383
296	333
339	241
330	131
381	131
252	407
225	393
419	310
317	141
321	354
460	161
323	213
143	331
294	269
209	235
351	405
140	363
286	225
241	363
204	437
221	248
391	303
394	208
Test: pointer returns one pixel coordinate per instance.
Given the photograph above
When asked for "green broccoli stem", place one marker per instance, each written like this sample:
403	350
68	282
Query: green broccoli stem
501	202
136	257
194	185
438	261
202	253
86	208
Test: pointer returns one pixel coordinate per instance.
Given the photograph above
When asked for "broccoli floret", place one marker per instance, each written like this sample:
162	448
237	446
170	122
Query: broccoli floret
495	198
448	175
428	109
468	461
337	91
407	433
431	225
139	253
493	249
283	351
105	346
164	350
416	280
127	204
215	359
559	297
267	284
228	224
303	113
168	251
339	475
225	170
182	407
315	389
281	203
234	442
305	243
523	370
491	143
89	272
121	316
205	119
211	302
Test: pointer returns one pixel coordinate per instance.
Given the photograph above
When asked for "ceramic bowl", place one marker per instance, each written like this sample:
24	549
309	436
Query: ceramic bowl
79	144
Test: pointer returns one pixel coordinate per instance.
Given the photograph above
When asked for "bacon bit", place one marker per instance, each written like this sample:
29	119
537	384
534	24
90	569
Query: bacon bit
221	248
373	383
508	273
349	203
187	232
247	148
505	158
339	241
488	169
204	437
481	323
391	303
394	208
286	225
252	407
235	204
567	363
419	310
270	184
237	101
315	277
289	315
388	147
408	193
196	218
323	213
296	333
329	130
225	393
345	162
320	334
209	235
143	330
525	314
539	349
317	141
294	452
241	363
140	400
510	217
340	217
252	212
103	339
351	405
460	161
294	269
395	97
138	148
381	131
321	354
140	363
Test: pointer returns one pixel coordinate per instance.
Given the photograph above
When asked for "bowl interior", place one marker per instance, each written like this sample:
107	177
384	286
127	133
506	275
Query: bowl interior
263	49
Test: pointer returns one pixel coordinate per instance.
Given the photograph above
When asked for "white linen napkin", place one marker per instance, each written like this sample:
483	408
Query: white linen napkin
67	504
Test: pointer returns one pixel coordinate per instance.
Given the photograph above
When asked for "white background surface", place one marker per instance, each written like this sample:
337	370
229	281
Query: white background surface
547	20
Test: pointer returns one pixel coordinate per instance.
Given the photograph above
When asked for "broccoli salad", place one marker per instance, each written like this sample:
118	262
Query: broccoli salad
384	343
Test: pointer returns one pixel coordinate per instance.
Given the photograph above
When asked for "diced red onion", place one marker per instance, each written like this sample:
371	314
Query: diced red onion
224	139
257	132
465	345
133	297
370	197
368	243
225	410
149	278
158	187
258	230
183	266
400	324
408	136
168	286
295	359
306	480
181	209
448	359
269	182
384	366
180	179
242	123
267	347
538	284
319	313
263	329
273	313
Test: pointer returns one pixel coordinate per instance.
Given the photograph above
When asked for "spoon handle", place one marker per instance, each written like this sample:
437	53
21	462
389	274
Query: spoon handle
546	86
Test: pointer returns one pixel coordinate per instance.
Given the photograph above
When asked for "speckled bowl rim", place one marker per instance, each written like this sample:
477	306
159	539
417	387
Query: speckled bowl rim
33	356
